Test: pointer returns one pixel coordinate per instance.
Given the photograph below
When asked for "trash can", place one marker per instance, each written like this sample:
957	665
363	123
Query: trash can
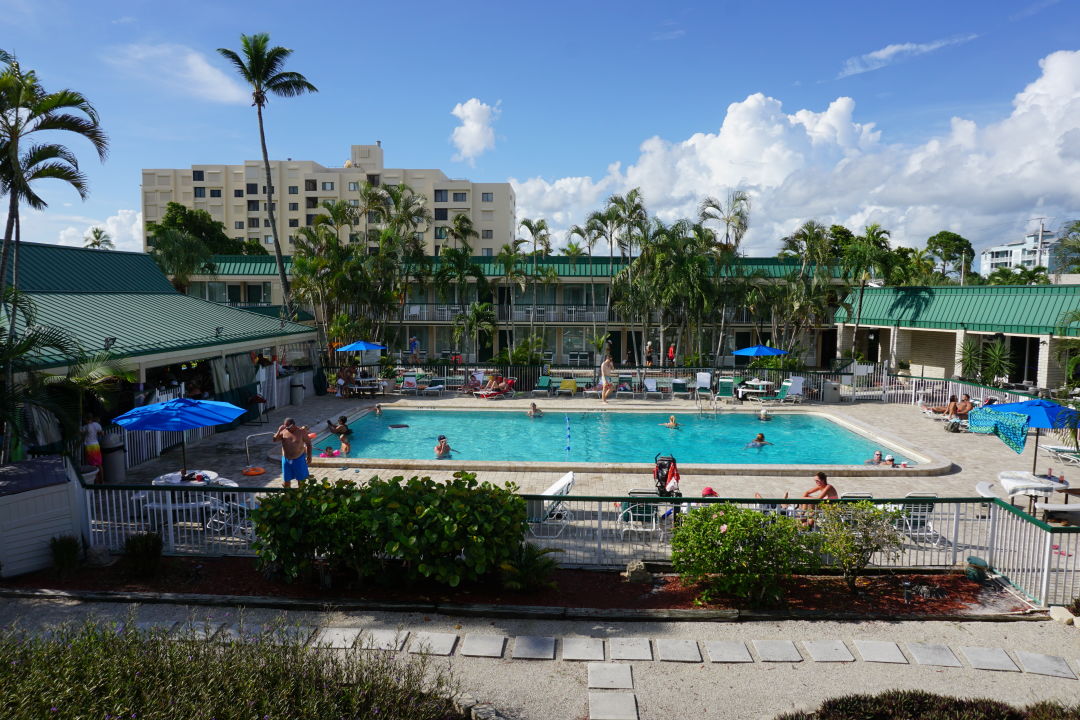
113	463
830	392
296	393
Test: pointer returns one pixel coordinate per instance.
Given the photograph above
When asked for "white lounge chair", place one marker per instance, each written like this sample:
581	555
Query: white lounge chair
651	391
795	390
549	518
704	382
986	490
409	385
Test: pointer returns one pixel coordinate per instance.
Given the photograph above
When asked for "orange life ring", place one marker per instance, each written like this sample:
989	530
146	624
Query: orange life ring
253	471
313	435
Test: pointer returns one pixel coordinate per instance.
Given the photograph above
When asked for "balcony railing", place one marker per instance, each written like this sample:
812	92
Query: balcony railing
541	313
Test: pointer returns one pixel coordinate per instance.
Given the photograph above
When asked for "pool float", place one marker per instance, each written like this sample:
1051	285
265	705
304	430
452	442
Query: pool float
313	435
329	453
250	471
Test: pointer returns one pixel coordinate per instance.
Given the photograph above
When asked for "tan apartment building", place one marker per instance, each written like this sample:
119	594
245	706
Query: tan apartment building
235	195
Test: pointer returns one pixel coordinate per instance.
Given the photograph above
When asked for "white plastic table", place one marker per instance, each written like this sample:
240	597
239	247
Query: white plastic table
173	478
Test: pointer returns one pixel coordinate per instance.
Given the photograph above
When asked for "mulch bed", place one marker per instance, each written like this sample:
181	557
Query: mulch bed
879	595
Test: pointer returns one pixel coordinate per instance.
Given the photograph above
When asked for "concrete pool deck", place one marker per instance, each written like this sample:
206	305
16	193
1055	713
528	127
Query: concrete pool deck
972	458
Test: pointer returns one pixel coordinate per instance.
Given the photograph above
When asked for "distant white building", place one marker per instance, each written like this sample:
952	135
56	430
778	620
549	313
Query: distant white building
1037	248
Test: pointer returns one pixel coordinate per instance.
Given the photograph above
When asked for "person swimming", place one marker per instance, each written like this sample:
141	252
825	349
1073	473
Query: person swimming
758	442
764	415
671	423
535	412
442	448
378	410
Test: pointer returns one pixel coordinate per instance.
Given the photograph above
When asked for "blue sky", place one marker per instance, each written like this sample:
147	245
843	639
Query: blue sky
917	115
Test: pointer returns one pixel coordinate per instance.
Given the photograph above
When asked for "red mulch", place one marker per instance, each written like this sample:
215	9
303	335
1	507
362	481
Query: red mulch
878	595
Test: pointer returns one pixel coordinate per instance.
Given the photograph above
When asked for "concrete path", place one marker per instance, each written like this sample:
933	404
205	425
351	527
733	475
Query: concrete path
621	671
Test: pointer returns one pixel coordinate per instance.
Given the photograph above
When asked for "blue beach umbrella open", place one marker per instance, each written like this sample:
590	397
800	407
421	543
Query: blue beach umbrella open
759	351
177	415
1041	414
361	345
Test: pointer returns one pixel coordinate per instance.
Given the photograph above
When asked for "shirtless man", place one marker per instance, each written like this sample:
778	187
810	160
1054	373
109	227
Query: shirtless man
442	448
607	369
295	451
822	489
671	423
963	407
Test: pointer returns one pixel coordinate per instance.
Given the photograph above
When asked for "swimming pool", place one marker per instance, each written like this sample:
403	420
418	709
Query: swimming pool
608	437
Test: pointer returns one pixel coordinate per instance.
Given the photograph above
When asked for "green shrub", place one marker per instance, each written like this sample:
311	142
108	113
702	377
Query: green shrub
143	554
65	553
906	704
530	568
449	532
740	551
93	671
851	533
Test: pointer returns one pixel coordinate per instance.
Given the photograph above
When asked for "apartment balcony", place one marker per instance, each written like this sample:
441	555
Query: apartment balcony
561	314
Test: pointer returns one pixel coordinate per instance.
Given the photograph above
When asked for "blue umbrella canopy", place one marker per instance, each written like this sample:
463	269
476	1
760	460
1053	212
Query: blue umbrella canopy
1041	414
179	414
759	351
360	345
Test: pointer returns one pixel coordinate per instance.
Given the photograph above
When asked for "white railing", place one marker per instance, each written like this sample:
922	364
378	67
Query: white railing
607	532
937	391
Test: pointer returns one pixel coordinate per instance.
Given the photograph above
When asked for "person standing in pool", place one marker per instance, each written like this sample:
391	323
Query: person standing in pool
671	423
295	451
535	412
442	448
607	369
758	442
342	426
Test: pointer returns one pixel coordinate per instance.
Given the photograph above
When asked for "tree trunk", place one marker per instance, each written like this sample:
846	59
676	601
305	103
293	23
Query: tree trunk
286	294
592	288
9	232
858	318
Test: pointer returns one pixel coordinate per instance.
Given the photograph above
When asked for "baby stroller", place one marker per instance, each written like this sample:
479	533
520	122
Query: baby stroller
666	476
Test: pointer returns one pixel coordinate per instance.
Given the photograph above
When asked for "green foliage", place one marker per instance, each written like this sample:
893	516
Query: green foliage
996	362
451	532
907	704
201	225
953	251
970	358
740	551
143	554
254	247
388	368
777	362
526	352
851	533
530	568
100	671
65	553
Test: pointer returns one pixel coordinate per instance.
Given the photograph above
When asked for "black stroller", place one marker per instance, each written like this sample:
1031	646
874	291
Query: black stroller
666	476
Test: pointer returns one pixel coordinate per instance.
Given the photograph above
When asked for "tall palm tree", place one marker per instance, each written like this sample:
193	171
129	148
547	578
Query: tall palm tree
261	68
180	255
512	276
339	216
455	268
478	320
605	224
589	235
98	239
461	230
733	215
862	260
540	235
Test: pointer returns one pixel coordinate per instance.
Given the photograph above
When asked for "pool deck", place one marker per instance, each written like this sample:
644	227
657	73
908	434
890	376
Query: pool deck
965	459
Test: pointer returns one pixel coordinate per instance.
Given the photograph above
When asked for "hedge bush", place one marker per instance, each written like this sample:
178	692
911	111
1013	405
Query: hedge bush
908	704
853	532
451	532
740	551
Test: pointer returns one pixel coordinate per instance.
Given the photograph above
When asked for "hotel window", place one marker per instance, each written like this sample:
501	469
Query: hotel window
196	175
354	186
268	239
328	186
215	292
294	207
264	189
486	252
487	234
440	195
294	222
238	193
252	189
459	197
354	203
440	213
273	206
215	192
309	186
238	224
266	222
200	192
253	222
309	219
294	190
354	237
440	233
487	197
373	180
372	216
253	205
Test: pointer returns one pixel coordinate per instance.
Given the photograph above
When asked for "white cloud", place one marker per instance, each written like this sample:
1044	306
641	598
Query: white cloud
893	53
125	228
983	181
474	135
663	35
179	68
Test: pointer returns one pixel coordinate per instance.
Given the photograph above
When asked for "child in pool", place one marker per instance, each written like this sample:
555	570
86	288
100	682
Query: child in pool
758	442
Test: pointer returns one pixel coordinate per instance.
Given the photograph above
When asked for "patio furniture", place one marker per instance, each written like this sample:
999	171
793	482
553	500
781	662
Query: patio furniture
626	381
703	382
641	519
542	388
1072	512
409	384
916	521
651	391
568	386
856	496
549	517
592	390
985	489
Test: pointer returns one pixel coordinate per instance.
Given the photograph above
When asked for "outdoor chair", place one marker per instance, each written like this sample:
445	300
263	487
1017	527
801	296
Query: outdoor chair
409	385
651	392
625	381
916	521
778	397
703	383
542	388
856	496
229	518
795	390
568	386
665	387
593	389
681	389
725	389
548	518
1071	512
1064	453
639	519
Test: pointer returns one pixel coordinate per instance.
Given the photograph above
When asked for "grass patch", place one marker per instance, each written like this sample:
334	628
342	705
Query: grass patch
102	672
909	704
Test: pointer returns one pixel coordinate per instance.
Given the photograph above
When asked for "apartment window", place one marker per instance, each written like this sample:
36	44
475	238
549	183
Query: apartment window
215	292
200	192
459	197
252	189
372	216
215	192
268	239
273	206
238	193
487	234
311	203
266	222
271	190
354	237
354	203
373	180
253	222
354	186
486	252
440	195
294	207
310	186
328	186
442	214
487	197
238	224
437	248
253	206
197	175
440	233
309	219
291	239
373	236
294	222
294	189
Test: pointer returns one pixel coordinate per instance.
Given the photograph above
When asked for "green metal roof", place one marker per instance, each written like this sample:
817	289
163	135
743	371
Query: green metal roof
59	268
146	324
599	266
1025	309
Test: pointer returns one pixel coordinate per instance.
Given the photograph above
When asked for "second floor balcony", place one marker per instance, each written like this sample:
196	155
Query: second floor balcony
542	313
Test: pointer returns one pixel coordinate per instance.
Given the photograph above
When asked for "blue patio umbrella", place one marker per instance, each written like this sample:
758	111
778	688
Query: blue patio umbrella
1041	414
178	415
361	345
759	351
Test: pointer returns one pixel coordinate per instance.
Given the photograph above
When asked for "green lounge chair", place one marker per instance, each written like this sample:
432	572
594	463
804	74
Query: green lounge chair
542	386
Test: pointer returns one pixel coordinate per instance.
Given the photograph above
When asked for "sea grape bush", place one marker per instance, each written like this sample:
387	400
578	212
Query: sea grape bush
451	532
853	532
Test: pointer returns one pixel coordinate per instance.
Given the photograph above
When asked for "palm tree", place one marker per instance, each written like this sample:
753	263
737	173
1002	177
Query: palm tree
98	239
461	230
734	216
261	68
478	320
589	234
180	255
339	215
861	259
541	237
455	268
604	225
508	258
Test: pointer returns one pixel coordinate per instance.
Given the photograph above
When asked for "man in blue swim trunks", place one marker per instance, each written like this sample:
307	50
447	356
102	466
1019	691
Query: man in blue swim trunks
295	451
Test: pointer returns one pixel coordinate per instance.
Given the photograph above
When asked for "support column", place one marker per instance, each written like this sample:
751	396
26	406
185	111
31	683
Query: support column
1051	374
844	333
961	336
901	345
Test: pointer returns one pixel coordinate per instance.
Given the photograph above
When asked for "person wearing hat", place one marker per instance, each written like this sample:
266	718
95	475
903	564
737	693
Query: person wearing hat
442	448
708	492
889	461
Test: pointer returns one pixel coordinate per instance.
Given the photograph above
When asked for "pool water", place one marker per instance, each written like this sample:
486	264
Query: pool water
608	437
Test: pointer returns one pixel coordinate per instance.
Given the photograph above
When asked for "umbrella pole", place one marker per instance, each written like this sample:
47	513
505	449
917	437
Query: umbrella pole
183	454
1035	460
